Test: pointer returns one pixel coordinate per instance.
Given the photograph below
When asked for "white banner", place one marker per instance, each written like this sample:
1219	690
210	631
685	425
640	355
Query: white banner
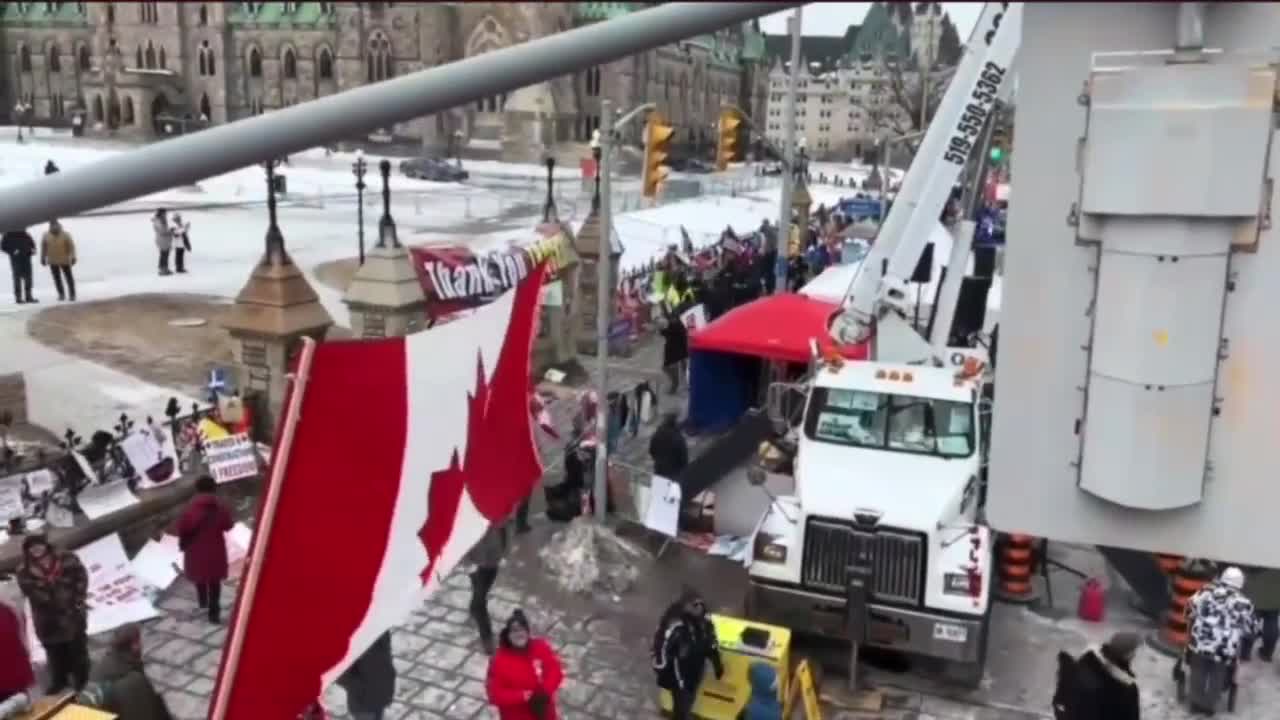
231	458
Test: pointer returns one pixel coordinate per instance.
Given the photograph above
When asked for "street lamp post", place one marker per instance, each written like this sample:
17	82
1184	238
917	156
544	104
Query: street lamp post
386	226
457	148
359	168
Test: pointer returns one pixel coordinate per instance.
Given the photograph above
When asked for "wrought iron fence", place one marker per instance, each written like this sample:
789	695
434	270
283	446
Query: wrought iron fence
76	462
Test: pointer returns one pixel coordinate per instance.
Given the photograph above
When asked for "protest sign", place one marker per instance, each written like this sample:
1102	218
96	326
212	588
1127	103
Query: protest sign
115	594
153	456
231	458
100	500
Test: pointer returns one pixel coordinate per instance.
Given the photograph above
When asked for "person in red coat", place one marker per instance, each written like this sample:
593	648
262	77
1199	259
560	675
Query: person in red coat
16	675
201	535
524	674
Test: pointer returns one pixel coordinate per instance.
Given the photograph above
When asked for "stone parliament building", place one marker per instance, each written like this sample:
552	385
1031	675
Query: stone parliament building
135	69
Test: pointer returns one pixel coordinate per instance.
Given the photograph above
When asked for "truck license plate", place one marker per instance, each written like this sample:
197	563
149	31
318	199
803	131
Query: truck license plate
950	633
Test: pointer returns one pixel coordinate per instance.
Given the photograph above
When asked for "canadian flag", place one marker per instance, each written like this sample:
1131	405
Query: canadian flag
393	458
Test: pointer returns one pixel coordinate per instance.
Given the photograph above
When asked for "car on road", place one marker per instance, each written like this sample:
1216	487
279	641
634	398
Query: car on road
772	169
435	169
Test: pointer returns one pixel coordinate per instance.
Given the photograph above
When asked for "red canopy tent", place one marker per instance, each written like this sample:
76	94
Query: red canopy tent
777	327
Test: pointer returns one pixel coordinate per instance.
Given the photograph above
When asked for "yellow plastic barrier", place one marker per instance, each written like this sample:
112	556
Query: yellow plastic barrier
725	698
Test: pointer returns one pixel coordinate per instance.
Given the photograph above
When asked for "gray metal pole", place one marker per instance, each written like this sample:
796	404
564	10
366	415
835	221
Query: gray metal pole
789	140
185	160
604	303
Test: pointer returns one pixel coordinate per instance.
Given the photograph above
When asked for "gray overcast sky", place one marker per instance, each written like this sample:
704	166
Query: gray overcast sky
834	18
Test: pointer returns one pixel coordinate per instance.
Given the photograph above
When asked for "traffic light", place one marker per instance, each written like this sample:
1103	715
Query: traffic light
996	155
657	140
727	144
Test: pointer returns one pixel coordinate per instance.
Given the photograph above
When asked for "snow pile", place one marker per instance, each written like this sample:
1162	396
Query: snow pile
585	557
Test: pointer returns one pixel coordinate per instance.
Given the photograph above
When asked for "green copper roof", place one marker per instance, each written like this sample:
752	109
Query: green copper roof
593	11
282	14
753	46
43	13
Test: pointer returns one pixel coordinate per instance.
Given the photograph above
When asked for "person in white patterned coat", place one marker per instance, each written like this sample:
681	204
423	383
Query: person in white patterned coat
1220	618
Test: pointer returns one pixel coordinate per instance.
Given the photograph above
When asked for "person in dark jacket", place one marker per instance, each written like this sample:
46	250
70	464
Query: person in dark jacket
683	645
57	585
668	448
20	247
1263	588
370	681
1099	685
50	168
119	684
675	347
201	534
764	703
487	558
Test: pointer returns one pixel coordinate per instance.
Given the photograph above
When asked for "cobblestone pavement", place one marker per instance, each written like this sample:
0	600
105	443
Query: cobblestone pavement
603	640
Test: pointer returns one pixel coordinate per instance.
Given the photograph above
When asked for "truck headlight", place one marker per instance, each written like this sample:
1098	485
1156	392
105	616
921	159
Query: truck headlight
769	548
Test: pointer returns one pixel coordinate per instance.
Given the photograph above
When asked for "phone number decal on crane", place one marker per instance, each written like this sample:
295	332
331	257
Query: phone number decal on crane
975	114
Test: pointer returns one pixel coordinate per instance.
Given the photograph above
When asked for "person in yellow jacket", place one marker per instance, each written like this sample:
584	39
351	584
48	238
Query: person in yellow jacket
58	251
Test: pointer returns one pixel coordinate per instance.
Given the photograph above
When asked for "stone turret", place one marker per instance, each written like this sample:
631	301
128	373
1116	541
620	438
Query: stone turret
385	297
275	309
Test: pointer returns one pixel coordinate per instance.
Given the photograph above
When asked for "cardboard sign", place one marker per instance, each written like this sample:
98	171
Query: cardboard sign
231	458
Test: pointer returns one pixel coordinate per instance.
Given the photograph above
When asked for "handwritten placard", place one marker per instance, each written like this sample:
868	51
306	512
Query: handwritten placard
231	458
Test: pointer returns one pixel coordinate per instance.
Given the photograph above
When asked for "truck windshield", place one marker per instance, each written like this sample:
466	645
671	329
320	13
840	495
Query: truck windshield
890	422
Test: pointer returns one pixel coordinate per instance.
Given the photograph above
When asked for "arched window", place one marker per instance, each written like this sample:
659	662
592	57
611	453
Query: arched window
202	59
326	64
326	8
126	116
99	109
211	59
378	58
24	58
290	65
55	59
139	57
84	59
203	15
163	62
150	56
255	63
593	82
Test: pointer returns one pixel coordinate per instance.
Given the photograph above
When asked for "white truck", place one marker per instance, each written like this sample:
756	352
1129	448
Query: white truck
882	540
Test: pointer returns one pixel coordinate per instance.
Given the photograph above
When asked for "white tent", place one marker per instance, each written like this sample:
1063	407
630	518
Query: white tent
831	284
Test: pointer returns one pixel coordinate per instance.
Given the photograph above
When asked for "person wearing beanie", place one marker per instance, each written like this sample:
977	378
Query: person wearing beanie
201	531
682	646
119	684
524	675
56	585
1099	685
1219	618
370	681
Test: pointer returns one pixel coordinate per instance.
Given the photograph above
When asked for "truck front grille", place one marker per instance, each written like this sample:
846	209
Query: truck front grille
897	558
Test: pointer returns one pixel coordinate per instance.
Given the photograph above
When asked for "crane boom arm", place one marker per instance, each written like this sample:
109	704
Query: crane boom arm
983	72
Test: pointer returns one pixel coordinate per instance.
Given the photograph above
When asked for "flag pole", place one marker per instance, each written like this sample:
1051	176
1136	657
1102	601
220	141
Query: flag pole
261	534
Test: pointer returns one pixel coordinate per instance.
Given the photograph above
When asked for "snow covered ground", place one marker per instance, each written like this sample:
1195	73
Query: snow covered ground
117	256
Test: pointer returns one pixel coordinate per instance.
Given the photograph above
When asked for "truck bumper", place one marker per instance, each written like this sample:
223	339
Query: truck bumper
919	631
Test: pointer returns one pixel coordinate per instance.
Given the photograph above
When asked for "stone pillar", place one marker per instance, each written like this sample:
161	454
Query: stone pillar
800	204
587	245
275	309
385	297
